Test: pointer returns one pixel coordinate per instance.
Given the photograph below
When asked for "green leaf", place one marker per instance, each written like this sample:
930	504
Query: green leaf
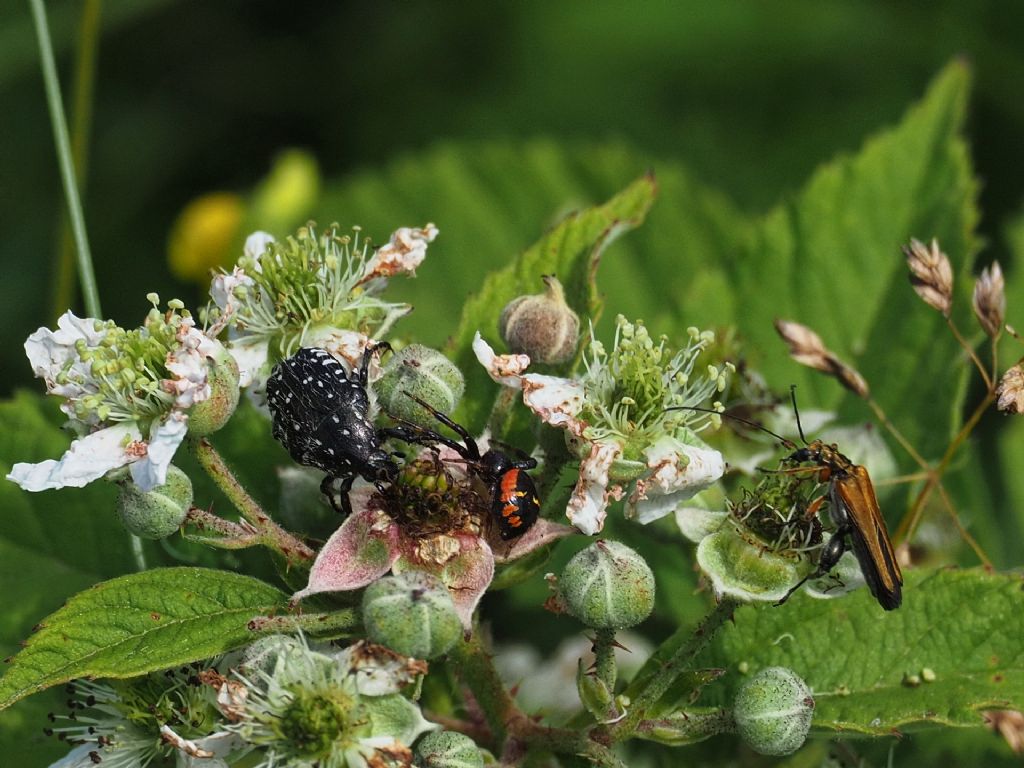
964	626
137	624
831	259
572	252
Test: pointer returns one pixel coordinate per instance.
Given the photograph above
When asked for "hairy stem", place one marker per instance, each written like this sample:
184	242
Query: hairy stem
293	550
604	658
670	671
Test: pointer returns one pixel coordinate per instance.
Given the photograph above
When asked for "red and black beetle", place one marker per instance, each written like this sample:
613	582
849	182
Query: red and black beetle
515	505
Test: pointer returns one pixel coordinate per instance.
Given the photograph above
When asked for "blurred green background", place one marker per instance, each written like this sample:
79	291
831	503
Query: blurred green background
736	104
194	97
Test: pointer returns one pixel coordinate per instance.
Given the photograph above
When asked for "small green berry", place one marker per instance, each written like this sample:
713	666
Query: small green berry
411	613
542	326
425	373
608	586
206	417
448	749
158	513
773	711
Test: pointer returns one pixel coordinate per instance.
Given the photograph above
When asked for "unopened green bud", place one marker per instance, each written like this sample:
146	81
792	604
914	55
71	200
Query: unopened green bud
424	373
608	586
448	749
412	614
542	326
773	711
211	414
160	512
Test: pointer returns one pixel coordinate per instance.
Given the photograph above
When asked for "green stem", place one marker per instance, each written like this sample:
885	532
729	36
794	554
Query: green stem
294	551
67	169
345	621
604	658
670	671
81	122
475	667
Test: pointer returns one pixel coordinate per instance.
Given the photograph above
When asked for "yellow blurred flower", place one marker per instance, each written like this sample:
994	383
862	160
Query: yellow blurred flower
204	234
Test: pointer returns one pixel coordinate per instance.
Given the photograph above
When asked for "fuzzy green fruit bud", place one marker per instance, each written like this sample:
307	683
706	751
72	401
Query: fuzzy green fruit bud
448	749
608	586
206	417
425	373
773	711
160	512
542	325
412	614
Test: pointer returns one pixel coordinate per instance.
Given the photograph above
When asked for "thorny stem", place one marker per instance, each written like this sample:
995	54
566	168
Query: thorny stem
229	535
294	551
670	671
970	352
604	658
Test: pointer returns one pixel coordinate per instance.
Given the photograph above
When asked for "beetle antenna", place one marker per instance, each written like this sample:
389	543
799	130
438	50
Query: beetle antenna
796	412
786	442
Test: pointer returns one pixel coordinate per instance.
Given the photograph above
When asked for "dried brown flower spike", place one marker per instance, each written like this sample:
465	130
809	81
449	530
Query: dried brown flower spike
931	274
1011	391
806	347
990	300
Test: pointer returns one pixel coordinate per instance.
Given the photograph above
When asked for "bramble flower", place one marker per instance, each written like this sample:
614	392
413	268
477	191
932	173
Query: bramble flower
618	421
311	290
429	520
133	723
311	709
130	396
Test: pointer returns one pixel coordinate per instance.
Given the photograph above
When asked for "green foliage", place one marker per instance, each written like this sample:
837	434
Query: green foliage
869	669
139	623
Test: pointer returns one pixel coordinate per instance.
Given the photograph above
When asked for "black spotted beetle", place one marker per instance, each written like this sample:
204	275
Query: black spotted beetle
515	505
321	416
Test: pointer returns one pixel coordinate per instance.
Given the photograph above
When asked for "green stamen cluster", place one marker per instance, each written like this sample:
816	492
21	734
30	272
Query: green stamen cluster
629	390
311	280
123	375
779	513
313	720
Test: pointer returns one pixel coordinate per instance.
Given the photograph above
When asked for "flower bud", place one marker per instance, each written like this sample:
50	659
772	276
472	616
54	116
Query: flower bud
773	711
425	373
607	586
158	513
989	300
411	613
594	693
209	415
542	326
448	749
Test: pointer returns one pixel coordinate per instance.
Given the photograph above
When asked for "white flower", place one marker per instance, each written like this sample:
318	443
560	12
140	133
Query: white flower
127	394
313	289
629	418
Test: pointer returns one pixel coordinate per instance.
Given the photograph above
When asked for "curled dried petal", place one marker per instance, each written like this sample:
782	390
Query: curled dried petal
807	348
990	299
1010	390
930	274
1009	723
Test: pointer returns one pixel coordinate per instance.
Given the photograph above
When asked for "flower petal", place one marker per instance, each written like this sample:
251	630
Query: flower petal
361	551
402	253
89	458
377	670
164	439
467	574
541	533
589	503
223	289
256	245
188	364
557	401
504	369
49	351
678	472
252	355
696	522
